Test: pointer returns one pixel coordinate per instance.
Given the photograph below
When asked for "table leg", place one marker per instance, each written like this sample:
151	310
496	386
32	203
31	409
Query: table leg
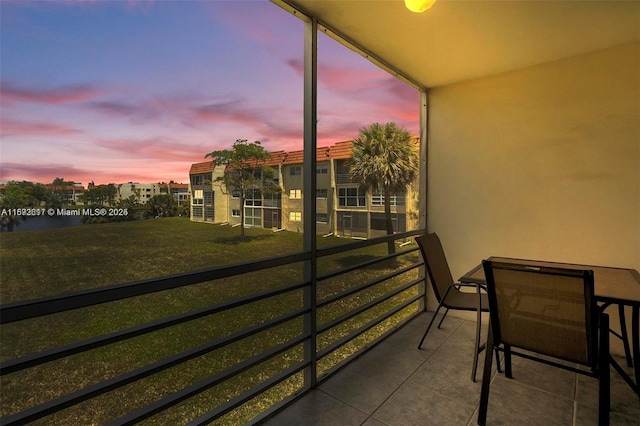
635	331
624	336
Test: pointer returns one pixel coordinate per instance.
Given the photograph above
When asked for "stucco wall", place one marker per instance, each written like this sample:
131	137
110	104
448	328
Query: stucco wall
539	163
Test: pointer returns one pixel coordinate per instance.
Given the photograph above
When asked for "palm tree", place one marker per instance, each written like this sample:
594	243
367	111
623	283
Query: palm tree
384	157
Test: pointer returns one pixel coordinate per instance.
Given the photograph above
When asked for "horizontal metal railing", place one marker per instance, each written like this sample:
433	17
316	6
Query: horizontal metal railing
20	311
344	178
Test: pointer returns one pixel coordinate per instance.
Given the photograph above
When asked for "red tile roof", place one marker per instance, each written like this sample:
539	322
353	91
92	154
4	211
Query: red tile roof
198	168
297	157
338	151
341	150
179	185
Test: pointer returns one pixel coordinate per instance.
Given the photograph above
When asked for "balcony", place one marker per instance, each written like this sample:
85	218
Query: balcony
395	384
250	338
365	369
344	178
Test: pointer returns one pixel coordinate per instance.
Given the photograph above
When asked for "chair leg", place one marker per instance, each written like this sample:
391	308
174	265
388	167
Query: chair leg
604	379
507	361
443	317
498	361
476	347
430	324
486	380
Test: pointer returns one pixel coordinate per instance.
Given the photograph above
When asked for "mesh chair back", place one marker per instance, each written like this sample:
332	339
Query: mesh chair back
545	310
436	262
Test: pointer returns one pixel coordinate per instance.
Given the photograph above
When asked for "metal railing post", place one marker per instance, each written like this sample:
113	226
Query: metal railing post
422	181
309	199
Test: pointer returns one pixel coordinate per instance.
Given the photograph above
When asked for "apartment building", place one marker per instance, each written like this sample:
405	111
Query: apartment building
69	194
343	206
204	191
179	191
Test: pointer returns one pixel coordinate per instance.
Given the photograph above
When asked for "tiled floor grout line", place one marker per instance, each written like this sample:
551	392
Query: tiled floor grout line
409	376
575	399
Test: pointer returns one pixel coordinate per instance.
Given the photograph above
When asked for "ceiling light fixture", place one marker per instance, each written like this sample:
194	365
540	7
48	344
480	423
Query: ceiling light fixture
419	6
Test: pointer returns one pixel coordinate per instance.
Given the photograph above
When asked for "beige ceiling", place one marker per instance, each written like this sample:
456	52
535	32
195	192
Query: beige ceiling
458	40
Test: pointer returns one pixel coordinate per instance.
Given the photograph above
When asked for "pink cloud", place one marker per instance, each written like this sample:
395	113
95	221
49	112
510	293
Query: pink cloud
57	96
46	172
233	111
43	173
343	79
176	108
23	128
278	129
153	149
263	30
136	113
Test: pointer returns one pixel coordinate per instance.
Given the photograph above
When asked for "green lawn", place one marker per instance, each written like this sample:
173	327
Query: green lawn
41	263
61	260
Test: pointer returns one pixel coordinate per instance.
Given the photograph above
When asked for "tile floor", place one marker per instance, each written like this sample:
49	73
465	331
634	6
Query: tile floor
395	384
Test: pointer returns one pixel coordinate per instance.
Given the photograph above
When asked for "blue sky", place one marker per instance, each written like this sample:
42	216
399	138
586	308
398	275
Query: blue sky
114	91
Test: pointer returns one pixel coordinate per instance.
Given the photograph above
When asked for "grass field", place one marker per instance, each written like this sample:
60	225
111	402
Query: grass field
42	263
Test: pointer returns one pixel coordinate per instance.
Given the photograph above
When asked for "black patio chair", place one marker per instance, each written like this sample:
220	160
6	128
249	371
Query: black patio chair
550	312
448	293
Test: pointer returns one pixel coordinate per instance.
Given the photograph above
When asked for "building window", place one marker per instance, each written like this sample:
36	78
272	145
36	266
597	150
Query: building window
198	197
272	199
321	193
377	199
322	217
252	216
235	213
322	169
208	198
295	216
295	193
253	197
235	194
295	170
351	197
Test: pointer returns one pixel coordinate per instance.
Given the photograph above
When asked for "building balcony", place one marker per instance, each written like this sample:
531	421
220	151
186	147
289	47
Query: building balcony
338	349
344	178
395	384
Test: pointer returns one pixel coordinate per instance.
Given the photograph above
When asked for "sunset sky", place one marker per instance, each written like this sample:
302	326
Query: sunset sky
114	91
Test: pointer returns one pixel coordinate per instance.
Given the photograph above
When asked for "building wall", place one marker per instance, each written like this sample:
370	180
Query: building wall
291	205
324	197
539	163
142	191
331	176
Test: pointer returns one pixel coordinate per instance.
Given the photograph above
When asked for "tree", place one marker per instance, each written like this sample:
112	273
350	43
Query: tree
162	205
245	170
183	208
58	190
384	157
100	195
20	195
